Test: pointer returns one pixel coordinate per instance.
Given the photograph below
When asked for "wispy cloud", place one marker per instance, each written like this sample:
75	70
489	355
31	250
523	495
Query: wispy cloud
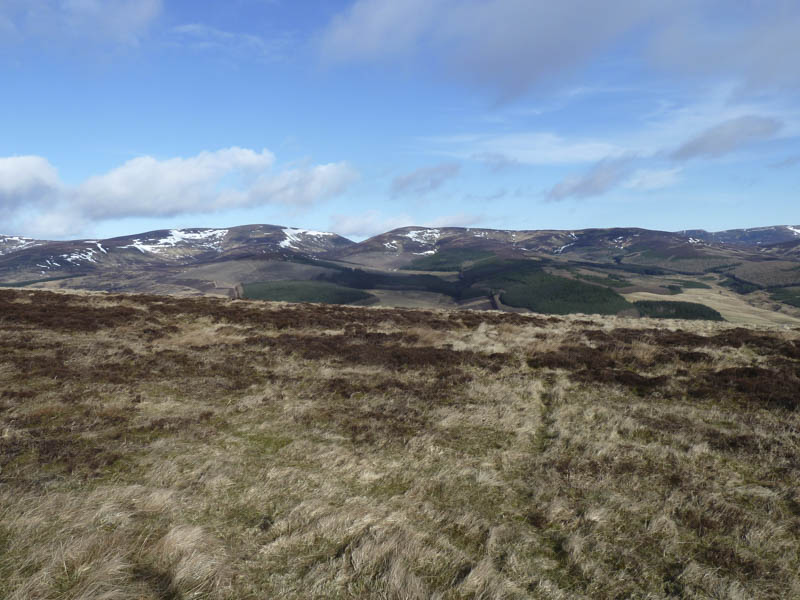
787	162
424	180
116	21
728	136
652	179
237	45
510	46
505	45
147	187
525	148
604	176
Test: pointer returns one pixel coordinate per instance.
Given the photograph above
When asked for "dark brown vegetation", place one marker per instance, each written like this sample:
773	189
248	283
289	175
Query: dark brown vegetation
156	447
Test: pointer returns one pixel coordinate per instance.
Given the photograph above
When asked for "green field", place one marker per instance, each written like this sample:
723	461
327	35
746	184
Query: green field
304	291
790	296
677	310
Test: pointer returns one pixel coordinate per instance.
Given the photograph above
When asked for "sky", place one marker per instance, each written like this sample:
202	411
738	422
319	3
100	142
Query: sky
124	116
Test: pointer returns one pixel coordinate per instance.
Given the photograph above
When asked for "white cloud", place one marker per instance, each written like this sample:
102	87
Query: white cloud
303	187
527	148
367	224
376	29
26	180
145	186
603	177
424	180
31	192
509	46
754	43
115	21
652	179
506	45
728	136
237	45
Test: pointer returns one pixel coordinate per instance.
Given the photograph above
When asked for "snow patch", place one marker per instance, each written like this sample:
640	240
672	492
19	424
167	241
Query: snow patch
391	245
560	250
207	238
426	253
13	243
424	236
80	256
793	230
98	244
294	235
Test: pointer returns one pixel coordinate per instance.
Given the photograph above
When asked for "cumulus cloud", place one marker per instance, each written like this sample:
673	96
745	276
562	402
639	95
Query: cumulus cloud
603	177
27	180
367	224
147	186
424	180
30	189
116	21
728	136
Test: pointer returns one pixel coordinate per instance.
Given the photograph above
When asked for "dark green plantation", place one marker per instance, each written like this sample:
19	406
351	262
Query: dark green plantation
304	291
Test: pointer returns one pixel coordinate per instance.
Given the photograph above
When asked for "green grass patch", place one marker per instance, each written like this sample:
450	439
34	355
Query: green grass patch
790	296
304	291
448	260
676	310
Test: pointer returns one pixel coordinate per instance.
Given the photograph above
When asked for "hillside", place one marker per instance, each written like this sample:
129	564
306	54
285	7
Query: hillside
746	275
157	447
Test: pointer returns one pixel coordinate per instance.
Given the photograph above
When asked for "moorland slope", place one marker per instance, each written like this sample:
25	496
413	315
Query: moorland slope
158	447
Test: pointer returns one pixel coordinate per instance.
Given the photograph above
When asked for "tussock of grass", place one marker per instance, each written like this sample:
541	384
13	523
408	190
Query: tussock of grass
191	448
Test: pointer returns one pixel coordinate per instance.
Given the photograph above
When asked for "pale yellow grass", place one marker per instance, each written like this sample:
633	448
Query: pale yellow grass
731	306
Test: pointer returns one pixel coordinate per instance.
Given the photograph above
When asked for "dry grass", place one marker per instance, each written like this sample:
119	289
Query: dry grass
159	448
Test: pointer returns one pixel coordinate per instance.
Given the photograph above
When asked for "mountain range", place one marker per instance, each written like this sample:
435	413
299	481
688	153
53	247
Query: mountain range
541	270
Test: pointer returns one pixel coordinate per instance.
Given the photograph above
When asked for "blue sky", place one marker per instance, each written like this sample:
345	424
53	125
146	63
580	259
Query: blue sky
119	116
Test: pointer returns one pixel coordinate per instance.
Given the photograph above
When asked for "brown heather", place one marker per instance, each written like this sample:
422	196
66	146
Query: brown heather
165	448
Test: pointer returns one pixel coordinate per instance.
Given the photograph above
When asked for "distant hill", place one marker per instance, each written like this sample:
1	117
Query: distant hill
588	270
